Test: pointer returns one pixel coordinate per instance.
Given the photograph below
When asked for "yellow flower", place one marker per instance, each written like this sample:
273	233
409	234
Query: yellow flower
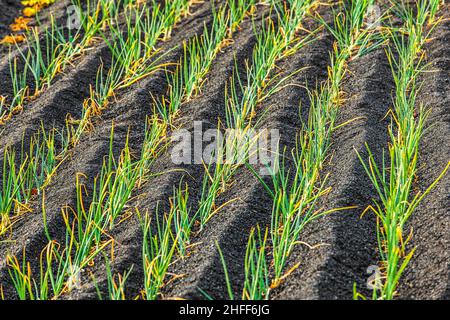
22	20
12	39
20	24
40	3
30	11
30	3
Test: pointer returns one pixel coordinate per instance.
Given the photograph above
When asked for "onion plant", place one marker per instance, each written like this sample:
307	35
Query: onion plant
256	269
217	176
3	108
24	176
183	222
11	186
158	249
273	43
116	282
393	179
